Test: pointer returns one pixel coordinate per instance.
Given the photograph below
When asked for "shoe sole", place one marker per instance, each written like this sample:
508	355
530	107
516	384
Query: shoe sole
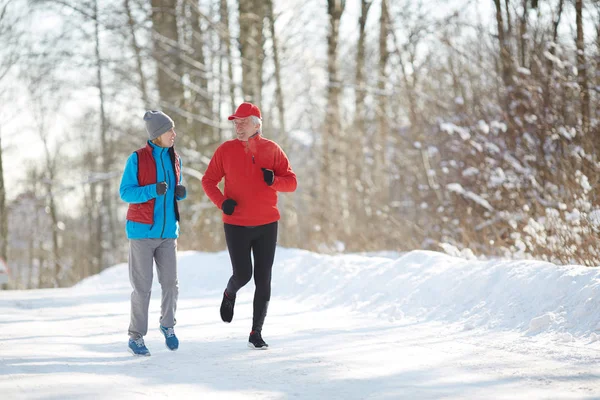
138	355
250	345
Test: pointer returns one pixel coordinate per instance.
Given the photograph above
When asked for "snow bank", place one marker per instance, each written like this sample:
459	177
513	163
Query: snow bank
528	296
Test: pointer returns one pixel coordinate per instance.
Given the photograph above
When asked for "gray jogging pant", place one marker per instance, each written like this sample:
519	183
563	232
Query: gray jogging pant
142	252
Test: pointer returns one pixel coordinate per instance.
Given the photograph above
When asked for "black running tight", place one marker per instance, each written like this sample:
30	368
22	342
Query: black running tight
260	241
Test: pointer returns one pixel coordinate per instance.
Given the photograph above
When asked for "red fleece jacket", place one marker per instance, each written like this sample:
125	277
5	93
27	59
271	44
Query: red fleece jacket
240	163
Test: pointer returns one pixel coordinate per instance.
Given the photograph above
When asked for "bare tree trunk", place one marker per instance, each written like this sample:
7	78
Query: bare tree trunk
55	246
94	237
505	56
107	214
597	54
3	211
165	39
598	33
221	85
224	12
410	92
278	86
508	33
549	63
508	19
89	267
382	104
201	103
582	78
412	102
43	279
332	121
333	179
50	185
523	33
507	74
252	13
360	68
42	108
30	257
457	87
379	194
355	144
9	37
137	53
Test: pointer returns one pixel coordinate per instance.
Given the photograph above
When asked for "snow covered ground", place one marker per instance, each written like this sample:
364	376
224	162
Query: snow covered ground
422	325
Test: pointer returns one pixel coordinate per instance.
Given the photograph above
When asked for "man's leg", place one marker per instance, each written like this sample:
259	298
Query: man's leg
263	248
238	243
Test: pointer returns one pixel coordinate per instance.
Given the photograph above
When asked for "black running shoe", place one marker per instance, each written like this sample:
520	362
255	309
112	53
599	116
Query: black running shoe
227	307
256	342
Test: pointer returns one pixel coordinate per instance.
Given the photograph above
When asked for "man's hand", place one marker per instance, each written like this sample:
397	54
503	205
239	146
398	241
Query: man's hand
268	176
228	206
161	188
180	191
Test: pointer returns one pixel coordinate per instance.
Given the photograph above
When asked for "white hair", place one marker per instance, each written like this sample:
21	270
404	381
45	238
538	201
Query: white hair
257	121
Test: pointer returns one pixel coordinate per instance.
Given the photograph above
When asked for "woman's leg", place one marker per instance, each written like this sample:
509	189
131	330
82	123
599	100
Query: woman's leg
165	256
140	275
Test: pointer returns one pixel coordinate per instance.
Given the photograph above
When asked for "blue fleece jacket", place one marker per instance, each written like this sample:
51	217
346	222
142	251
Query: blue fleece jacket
165	224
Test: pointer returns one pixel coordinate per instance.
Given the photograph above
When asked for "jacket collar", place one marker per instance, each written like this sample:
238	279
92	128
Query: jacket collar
256	136
156	149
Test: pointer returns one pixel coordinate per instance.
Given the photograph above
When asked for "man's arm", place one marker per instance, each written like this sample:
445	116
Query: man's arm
285	178
213	175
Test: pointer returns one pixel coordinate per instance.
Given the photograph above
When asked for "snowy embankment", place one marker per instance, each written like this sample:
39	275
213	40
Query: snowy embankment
528	296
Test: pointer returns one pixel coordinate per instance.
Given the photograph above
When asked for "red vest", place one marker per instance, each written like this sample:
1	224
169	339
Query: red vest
144	212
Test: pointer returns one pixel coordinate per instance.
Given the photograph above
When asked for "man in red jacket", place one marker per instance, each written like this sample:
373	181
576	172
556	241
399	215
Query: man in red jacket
255	169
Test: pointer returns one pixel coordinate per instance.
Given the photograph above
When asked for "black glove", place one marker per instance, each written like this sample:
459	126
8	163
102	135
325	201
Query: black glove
161	188
268	176
180	191
228	206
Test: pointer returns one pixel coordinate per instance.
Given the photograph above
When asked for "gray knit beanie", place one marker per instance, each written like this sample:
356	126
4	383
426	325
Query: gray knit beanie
157	123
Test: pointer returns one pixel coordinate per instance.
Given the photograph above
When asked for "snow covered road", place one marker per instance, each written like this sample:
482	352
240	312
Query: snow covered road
71	343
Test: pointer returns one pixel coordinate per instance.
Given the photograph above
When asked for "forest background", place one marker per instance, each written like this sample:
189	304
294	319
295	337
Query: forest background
469	127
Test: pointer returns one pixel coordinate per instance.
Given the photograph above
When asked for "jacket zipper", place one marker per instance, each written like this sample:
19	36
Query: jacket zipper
162	162
247	143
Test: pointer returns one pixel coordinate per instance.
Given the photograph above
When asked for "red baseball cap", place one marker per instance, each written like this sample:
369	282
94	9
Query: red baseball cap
245	110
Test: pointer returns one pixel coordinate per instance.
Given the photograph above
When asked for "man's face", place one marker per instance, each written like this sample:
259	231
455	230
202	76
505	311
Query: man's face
244	128
167	139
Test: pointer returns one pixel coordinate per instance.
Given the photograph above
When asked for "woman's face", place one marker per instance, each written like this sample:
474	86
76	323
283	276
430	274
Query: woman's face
167	139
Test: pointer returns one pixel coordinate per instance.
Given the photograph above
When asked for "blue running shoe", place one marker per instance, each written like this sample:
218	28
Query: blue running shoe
137	347
170	339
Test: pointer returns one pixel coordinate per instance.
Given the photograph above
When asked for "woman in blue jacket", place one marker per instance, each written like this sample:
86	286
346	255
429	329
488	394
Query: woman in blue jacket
151	184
